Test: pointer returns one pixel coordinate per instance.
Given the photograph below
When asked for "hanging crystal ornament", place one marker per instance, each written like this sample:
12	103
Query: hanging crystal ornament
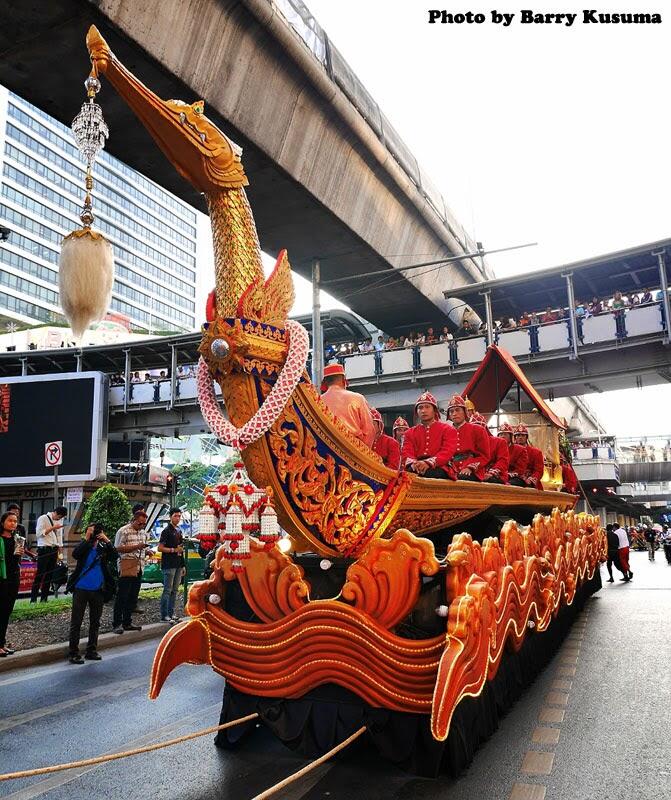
86	264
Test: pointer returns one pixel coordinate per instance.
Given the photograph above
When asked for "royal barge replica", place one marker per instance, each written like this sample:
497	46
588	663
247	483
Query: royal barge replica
395	606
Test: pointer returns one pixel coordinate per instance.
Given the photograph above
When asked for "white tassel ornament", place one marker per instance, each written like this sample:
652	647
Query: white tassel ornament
85	278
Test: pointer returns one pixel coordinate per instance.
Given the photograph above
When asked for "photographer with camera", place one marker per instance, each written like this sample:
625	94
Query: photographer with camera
49	531
91	585
131	544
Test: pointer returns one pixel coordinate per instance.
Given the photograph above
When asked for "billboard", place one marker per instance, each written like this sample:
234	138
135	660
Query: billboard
66	408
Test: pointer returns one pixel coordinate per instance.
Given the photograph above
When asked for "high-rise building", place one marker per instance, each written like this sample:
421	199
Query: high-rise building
153	233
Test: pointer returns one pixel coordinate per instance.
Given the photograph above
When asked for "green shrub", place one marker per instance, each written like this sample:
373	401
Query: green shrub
109	506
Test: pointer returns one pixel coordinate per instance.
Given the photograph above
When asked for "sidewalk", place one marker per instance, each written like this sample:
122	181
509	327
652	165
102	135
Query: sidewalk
49	653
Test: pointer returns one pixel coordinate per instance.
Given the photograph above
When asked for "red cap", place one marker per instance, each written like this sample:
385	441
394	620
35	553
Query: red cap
427	397
377	417
333	369
478	419
456	401
506	427
399	422
522	428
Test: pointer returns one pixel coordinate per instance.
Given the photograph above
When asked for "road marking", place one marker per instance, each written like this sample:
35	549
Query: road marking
557	698
527	791
565	686
106	690
59	779
551	715
565	672
536	763
542	735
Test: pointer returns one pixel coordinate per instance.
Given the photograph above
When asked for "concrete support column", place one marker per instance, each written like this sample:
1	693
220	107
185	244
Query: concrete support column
489	316
317	335
573	321
24	366
78	359
664	283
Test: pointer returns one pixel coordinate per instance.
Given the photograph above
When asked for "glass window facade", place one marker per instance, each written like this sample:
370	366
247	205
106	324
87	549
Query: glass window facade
153	234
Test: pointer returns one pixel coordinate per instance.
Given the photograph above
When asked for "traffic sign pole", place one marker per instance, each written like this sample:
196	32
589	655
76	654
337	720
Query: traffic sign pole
56	504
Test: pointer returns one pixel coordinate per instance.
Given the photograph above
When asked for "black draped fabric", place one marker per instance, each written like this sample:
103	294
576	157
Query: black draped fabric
322	718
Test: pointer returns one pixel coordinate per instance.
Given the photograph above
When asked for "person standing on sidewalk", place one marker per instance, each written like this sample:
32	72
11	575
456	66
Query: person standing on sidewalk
172	564
130	543
11	550
49	531
91	584
623	551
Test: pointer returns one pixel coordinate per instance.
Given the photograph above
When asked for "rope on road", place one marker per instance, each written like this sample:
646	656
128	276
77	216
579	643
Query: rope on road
282	784
87	762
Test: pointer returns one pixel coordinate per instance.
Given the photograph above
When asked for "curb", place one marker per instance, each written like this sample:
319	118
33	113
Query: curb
49	653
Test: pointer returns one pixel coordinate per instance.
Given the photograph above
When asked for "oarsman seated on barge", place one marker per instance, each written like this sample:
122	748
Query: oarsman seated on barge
473	445
429	447
496	471
518	458
536	465
399	430
385	446
350	408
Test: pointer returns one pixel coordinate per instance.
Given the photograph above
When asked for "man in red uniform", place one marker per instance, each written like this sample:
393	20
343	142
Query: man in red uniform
429	447
385	446
536	465
399	430
350	408
568	476
518	458
472	454
496	471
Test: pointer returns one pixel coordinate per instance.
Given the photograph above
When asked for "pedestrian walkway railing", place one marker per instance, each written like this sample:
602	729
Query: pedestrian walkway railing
531	341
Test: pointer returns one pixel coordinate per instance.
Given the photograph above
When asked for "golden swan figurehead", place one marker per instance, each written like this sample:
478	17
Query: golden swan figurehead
200	152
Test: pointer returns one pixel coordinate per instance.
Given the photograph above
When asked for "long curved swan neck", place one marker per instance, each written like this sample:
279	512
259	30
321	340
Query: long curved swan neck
208	159
237	254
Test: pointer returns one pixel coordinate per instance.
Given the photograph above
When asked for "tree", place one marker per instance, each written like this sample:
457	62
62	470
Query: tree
191	483
109	506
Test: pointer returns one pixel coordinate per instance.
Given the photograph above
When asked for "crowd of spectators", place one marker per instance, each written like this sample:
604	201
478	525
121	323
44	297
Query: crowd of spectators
470	326
154	376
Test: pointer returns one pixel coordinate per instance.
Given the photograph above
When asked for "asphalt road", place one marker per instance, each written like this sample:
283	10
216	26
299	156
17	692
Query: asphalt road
604	697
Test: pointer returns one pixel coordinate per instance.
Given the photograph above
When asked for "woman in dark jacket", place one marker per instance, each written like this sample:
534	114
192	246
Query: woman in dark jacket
91	585
10	566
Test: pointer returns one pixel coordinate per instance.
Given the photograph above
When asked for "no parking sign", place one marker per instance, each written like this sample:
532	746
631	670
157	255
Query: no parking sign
53	454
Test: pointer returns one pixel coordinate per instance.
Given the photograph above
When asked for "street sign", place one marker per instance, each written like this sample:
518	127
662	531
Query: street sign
53	454
74	495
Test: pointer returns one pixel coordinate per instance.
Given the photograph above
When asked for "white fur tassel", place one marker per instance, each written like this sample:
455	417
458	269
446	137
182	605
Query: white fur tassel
85	277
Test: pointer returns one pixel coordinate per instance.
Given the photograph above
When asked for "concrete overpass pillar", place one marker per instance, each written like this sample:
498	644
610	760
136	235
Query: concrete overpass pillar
664	283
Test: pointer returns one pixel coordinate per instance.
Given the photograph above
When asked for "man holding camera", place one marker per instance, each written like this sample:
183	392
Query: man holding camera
131	544
91	584
49	531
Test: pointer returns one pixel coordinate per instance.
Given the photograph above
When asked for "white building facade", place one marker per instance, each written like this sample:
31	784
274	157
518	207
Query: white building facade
154	235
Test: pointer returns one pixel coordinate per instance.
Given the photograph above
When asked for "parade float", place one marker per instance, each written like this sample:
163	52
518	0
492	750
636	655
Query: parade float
421	607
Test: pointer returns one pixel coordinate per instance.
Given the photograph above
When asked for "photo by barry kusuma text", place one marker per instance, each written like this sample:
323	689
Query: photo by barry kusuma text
527	16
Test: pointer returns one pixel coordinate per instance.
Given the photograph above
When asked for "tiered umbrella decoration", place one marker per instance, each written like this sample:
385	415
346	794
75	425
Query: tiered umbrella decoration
237	511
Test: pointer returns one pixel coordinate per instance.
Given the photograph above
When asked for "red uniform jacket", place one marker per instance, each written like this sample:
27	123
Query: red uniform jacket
388	449
437	440
570	479
499	459
473	449
518	462
535	467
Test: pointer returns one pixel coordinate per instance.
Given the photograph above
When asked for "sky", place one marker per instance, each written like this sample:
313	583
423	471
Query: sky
533	133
